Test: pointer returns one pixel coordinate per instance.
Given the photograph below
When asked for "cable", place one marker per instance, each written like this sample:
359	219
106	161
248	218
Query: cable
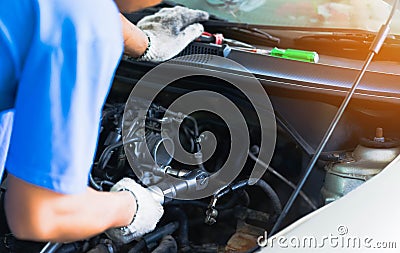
375	47
51	247
285	180
199	156
294	134
105	156
93	183
211	215
103	160
242	196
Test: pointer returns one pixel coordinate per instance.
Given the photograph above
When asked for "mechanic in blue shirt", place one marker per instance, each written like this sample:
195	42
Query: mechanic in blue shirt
57	60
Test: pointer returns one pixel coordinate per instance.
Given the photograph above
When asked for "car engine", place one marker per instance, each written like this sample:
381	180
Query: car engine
141	138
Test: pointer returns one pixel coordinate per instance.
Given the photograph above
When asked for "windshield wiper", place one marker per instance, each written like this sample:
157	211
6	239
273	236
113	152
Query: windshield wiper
258	33
349	39
252	31
352	36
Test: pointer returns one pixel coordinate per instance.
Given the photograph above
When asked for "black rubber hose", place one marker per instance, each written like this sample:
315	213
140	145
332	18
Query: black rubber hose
155	236
187	202
69	248
138	247
183	231
245	198
276	203
167	245
230	203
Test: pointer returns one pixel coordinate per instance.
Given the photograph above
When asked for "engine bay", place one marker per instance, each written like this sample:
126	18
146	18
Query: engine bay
138	140
232	219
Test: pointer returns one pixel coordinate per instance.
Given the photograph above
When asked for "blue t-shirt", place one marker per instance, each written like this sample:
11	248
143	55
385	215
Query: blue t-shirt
57	60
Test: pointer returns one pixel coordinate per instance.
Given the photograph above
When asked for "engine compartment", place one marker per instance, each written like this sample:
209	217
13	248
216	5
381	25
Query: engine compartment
304	97
233	219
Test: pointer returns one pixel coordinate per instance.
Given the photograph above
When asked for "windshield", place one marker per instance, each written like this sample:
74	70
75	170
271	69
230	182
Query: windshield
352	14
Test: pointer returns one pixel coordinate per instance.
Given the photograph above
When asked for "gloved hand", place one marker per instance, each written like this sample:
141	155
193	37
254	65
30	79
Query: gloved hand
170	30
148	213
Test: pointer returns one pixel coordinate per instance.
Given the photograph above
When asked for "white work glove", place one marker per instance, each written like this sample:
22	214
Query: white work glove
148	213
170	30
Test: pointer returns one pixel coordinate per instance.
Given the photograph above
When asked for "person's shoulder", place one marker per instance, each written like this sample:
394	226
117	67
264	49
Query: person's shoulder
81	9
17	24
89	18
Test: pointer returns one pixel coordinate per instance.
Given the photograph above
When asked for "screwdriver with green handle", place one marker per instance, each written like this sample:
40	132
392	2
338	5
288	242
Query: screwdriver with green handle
290	54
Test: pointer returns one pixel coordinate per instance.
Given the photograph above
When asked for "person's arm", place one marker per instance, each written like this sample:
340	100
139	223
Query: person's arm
35	213
163	35
135	40
127	6
61	92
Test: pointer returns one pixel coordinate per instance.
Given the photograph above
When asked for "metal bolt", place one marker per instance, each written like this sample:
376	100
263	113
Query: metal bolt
379	132
210	221
203	181
212	213
379	135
